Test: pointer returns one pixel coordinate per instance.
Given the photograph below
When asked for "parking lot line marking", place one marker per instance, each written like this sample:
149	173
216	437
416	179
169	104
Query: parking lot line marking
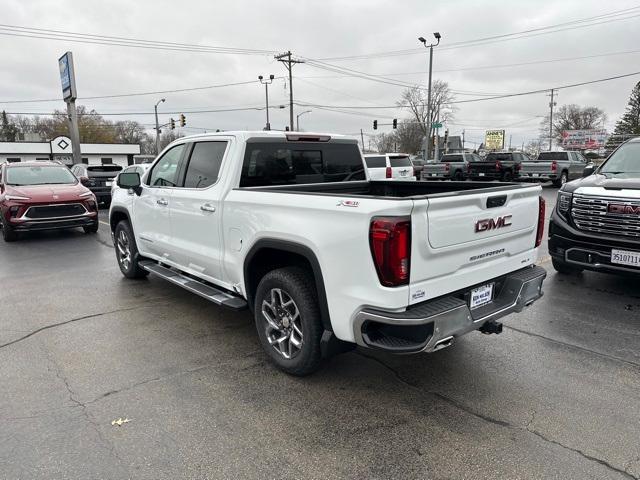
104	223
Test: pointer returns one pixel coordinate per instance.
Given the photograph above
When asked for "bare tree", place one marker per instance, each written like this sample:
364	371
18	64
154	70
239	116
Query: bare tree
573	117
415	99
385	142
128	131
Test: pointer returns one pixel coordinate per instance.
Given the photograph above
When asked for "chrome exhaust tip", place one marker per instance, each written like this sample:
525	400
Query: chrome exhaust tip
443	343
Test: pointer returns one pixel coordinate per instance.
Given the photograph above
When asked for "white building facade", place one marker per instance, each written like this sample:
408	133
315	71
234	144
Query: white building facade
60	149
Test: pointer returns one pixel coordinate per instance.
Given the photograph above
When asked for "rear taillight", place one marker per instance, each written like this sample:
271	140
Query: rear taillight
498	165
517	167
389	174
390	239
554	166
447	167
468	168
541	213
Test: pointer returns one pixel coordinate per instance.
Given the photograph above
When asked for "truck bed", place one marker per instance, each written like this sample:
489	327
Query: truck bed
392	190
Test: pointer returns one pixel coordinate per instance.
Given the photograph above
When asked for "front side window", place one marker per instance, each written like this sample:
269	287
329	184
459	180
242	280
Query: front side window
165	171
204	164
36	175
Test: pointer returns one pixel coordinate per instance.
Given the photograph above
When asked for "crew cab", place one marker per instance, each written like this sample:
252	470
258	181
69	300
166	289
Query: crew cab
393	166
504	166
97	178
451	166
596	222
43	195
290	226
557	167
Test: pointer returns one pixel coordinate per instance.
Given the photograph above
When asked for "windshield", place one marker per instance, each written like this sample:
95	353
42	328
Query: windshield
624	161
553	156
39	175
399	161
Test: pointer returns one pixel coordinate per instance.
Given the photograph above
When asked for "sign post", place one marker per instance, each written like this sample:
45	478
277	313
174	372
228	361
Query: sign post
69	95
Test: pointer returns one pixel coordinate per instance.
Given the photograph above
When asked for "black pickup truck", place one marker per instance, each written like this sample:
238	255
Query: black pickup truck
504	166
596	222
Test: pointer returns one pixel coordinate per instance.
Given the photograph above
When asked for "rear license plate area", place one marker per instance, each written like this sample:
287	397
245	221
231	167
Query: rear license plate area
481	296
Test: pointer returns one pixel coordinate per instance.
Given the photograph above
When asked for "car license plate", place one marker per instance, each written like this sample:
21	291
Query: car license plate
434	174
624	257
481	174
108	184
481	296
535	174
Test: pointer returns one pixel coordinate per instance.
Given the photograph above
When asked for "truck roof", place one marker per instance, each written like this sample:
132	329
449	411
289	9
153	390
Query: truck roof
246	134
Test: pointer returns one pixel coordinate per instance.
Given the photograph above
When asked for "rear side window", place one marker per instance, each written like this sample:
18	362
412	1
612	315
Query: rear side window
553	156
165	171
400	161
204	164
452	158
292	163
376	162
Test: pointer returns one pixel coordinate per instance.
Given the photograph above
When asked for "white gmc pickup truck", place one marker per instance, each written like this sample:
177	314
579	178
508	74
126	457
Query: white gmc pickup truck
288	225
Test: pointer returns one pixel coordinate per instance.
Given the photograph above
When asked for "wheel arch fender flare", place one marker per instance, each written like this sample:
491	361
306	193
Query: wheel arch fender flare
293	250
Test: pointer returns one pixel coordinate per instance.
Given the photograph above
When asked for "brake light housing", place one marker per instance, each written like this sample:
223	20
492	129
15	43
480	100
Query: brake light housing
390	241
389	173
447	167
541	214
554	166
498	165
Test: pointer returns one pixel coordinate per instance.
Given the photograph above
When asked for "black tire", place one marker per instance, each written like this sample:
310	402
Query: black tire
93	228
125	247
458	176
296	284
564	178
507	176
564	268
8	233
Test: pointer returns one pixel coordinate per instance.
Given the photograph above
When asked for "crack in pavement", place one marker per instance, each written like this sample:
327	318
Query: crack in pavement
494	421
576	347
77	319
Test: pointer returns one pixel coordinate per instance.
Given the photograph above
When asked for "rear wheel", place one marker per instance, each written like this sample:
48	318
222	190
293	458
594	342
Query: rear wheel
93	228
458	177
127	251
8	233
562	180
287	318
565	268
507	176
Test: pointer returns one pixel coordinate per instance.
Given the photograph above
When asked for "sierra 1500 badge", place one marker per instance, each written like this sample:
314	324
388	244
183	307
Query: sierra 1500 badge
493	224
348	203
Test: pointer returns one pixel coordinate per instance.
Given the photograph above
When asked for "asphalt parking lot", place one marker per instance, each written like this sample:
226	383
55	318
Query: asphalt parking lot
557	395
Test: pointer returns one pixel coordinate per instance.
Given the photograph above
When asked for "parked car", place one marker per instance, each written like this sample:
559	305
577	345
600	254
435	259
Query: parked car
557	167
287	225
417	162
452	166
383	166
98	178
141	168
43	195
596	222
504	166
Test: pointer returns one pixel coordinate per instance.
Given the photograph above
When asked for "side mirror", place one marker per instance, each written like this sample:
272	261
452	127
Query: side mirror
588	170
130	180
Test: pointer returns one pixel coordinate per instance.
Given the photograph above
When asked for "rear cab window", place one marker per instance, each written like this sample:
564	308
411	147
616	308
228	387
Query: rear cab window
400	161
502	157
452	158
293	163
553	156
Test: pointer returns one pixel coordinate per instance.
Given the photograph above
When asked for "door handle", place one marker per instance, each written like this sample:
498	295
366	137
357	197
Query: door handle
162	202
207	207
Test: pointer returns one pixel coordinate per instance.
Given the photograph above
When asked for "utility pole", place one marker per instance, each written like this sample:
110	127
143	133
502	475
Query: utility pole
157	126
463	140
551	105
430	47
266	84
288	62
362	138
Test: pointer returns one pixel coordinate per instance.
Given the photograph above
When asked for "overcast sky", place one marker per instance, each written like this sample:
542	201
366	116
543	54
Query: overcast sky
316	30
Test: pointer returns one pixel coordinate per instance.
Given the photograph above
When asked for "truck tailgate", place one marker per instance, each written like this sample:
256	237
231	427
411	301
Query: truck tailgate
535	167
459	240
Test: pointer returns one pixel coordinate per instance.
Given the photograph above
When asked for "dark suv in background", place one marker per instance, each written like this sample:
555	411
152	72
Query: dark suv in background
98	179
504	166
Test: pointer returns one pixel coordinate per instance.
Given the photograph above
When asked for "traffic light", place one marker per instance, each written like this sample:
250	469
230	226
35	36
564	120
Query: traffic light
173	124
375	124
183	120
395	123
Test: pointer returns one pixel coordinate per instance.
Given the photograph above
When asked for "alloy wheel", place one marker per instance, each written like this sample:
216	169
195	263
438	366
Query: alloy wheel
123	250
283	324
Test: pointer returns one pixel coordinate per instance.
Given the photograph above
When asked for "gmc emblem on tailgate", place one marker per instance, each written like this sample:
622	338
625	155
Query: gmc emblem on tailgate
493	224
620	209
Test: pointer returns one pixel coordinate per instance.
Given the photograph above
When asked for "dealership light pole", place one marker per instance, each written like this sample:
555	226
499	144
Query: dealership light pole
158	126
430	47
298	119
266	84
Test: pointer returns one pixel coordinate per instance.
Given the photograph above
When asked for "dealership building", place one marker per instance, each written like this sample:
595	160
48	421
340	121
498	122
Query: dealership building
60	149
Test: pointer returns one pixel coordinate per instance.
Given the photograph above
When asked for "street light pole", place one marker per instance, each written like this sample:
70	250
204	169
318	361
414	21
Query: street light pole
266	84
157	126
298	119
424	42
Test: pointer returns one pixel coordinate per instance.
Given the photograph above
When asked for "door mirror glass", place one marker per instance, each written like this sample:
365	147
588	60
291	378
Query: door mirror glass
588	170
129	180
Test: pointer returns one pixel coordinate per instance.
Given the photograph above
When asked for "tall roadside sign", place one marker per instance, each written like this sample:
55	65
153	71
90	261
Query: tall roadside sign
494	140
69	95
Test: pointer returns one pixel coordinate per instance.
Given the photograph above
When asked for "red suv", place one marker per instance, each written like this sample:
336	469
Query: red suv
43	196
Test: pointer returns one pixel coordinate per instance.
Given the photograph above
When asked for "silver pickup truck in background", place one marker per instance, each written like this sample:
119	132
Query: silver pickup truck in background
557	167
451	166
